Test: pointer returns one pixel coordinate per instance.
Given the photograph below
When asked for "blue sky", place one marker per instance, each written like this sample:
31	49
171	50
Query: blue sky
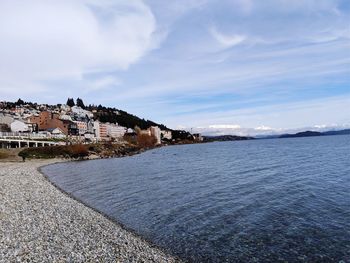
229	66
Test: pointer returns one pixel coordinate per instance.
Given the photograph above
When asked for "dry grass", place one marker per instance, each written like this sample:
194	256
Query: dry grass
3	154
67	151
145	140
9	155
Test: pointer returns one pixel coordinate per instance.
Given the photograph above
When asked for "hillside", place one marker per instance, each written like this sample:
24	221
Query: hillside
301	134
101	113
123	118
223	138
314	133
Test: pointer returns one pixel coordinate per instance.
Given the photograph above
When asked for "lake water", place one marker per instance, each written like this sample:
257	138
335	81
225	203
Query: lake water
249	201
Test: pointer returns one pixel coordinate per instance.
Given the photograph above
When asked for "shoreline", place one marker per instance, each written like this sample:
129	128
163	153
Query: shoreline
40	222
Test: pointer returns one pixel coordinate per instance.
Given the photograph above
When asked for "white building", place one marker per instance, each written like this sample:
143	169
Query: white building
115	131
81	112
4	119
57	133
156	132
100	130
19	126
65	107
66	117
82	126
90	137
166	135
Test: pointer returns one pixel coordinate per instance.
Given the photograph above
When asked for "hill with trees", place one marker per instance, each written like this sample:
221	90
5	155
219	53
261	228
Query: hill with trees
106	114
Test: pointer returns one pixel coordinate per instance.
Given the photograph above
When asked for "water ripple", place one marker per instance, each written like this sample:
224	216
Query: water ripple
255	201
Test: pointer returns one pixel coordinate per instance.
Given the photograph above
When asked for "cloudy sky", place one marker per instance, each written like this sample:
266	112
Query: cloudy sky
229	65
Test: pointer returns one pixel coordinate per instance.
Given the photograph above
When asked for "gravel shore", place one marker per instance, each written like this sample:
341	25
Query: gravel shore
39	223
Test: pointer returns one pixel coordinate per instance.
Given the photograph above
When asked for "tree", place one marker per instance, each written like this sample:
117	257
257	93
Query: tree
4	127
19	102
70	102
80	103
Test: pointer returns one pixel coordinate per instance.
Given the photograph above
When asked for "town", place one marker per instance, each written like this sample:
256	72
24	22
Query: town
25	124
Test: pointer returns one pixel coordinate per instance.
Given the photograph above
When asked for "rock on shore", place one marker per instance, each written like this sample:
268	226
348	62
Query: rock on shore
38	223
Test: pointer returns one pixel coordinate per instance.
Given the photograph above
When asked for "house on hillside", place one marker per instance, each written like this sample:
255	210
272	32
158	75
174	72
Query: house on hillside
197	137
19	126
5	119
115	131
166	135
81	112
56	133
100	130
49	120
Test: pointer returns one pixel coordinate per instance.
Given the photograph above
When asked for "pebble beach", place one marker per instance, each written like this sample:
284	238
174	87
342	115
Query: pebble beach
39	223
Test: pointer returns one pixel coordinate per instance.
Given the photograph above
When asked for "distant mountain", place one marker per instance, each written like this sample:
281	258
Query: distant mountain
301	134
314	133
223	138
341	132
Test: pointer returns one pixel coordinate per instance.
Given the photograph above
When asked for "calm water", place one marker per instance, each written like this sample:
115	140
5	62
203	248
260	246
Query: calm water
252	201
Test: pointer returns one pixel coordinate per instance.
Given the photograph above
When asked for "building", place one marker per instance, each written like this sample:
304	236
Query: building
81	112
89	137
198	137
166	135
48	120
156	132
115	131
100	130
82	126
5	119
19	126
57	133
66	117
72	128
18	110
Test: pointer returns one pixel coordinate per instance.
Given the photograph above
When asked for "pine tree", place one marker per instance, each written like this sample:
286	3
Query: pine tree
80	103
70	102
19	102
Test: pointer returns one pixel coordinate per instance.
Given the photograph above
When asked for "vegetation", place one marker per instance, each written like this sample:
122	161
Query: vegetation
103	114
144	140
181	135
80	103
79	151
19	102
130	138
67	151
222	138
70	102
113	115
4	128
3	155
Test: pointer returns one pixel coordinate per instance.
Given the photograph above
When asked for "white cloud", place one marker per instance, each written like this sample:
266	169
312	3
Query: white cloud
53	40
245	6
263	128
225	126
264	131
102	83
226	40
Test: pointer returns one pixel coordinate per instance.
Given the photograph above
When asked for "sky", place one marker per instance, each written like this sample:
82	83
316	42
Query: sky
217	67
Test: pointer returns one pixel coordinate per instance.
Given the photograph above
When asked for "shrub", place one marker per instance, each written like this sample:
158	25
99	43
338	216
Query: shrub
67	151
78	151
3	155
145	140
130	139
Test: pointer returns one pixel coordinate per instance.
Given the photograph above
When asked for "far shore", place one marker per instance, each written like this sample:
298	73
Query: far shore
41	223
